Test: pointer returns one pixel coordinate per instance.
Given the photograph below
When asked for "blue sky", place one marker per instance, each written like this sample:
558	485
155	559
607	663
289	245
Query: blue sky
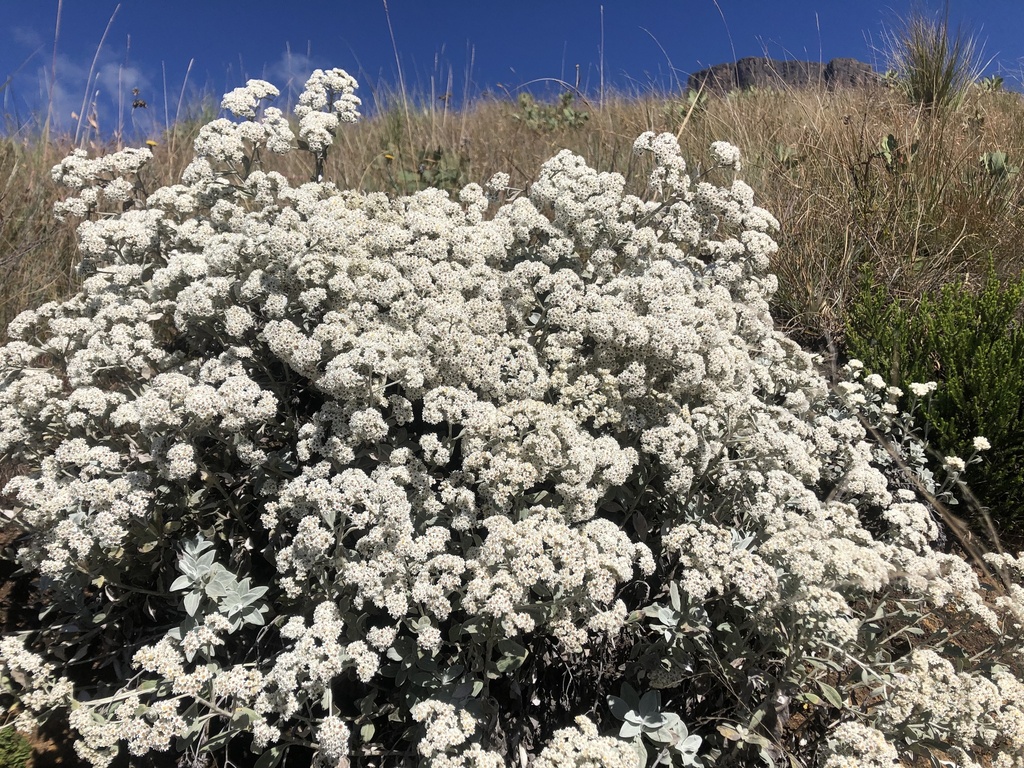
165	47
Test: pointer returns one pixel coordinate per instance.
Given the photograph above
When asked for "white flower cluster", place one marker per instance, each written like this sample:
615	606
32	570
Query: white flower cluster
668	174
438	431
143	729
333	736
316	658
854	745
581	747
968	710
924	389
41	690
448	729
101	180
244	101
327	101
726	155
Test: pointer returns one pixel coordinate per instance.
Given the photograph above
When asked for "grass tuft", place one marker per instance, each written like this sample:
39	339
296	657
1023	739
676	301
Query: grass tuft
934	66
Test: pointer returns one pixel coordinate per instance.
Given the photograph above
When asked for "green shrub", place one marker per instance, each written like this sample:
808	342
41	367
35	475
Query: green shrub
15	751
972	344
549	117
432	168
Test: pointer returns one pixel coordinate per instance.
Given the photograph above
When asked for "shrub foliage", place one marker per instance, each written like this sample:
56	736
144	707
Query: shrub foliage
469	481
971	343
15	751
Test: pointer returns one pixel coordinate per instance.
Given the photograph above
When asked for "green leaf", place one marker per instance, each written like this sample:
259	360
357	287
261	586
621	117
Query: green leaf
831	695
509	663
514	655
205	561
730	733
243	717
640	525
192	600
221	585
641	753
630	696
650	703
180	583
618	706
452	674
256	593
254	616
690	744
629	730
368	704
272	757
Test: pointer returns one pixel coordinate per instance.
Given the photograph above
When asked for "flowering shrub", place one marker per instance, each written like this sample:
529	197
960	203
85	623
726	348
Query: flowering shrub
437	480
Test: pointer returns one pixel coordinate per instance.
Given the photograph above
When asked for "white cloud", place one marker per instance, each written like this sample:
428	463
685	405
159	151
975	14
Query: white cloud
83	94
76	98
114	84
29	38
290	72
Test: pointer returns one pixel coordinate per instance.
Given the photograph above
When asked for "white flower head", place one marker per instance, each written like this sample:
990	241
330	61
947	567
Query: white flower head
328	99
334	89
317	130
498	183
875	381
243	102
923	389
725	155
855	744
981	444
669	167
954	464
278	131
333	737
181	461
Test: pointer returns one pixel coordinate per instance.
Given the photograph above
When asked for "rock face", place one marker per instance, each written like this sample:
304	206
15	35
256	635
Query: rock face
760	72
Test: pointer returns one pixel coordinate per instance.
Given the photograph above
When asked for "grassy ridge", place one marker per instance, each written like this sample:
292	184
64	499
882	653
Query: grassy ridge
856	177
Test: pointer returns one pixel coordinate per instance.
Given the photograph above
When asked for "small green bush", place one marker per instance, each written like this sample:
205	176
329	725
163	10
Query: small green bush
15	751
549	117
972	344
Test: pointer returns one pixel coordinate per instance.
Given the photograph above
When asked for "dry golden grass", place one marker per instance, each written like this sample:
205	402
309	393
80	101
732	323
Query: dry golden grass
918	218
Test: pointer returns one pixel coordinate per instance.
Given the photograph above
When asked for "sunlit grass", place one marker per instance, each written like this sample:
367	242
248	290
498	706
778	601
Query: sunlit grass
856	177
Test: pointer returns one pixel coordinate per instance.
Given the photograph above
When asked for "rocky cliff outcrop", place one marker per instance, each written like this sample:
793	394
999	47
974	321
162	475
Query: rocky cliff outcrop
760	72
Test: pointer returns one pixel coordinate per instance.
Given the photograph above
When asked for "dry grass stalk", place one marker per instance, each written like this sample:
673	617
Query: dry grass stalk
921	210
